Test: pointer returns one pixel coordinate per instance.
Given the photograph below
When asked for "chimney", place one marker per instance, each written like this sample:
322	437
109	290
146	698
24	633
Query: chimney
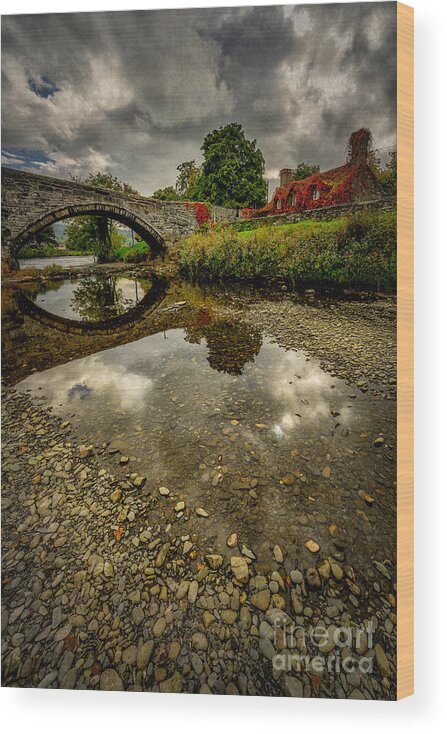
285	176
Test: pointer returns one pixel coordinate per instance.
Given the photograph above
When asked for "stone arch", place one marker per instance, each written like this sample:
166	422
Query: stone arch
121	214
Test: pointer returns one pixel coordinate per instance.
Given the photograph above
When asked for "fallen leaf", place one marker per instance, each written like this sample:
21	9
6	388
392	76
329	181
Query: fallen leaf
70	642
96	668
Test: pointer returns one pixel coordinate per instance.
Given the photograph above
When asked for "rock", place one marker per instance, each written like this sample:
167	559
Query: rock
382	661
124	460
324	569
180	506
192	592
336	569
278	618
108	569
110	681
69	679
116	496
196	663
333	530
266	648
199	641
296	577
161	556
228	615
164	491
137	615
261	600
248	553
139	482
288	479
182	589
144	654
278	554
200	512
173	684
313	578
293	687
326	472
130	655
266	631
239	566
214	561
208	619
312	546
379	441
85	451
232	540
174	650
159	627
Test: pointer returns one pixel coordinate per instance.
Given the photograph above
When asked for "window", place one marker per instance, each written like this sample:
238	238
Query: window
278	203
315	194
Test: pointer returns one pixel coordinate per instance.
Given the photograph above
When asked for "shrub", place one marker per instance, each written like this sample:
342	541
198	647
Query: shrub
359	250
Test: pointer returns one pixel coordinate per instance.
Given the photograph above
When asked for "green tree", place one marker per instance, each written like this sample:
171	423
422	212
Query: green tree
46	236
187	179
388	176
304	170
107	181
233	169
167	194
98	233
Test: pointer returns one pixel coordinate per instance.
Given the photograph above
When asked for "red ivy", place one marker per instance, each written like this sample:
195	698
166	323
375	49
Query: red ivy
333	188
201	212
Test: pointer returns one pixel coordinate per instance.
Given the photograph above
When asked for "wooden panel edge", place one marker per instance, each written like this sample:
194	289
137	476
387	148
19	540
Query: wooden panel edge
405	352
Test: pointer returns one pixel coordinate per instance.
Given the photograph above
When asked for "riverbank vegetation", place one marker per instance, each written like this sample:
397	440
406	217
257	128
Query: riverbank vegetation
356	251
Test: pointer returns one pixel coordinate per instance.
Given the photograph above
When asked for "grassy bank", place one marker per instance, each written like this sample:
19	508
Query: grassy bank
50	251
137	253
359	251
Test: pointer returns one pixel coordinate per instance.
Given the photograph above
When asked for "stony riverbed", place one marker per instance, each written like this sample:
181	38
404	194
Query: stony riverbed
252	562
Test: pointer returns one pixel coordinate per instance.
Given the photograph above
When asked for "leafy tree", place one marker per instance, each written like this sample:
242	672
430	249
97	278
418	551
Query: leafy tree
107	181
187	179
304	170
167	194
80	234
46	236
388	176
98	233
233	169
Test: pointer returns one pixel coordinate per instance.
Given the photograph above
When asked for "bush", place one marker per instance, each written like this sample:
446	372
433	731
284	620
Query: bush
139	252
359	250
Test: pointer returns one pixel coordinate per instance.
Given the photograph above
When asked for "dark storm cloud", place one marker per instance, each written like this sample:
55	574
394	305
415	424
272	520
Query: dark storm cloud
135	93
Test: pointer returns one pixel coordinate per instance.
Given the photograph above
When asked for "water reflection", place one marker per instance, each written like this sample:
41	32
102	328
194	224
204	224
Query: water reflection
231	344
88	298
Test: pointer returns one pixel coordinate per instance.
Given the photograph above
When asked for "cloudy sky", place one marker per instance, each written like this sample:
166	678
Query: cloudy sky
136	92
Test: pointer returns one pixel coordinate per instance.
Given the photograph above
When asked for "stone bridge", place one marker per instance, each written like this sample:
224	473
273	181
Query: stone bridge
31	201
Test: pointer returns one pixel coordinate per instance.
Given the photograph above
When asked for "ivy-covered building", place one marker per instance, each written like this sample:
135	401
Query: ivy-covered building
354	181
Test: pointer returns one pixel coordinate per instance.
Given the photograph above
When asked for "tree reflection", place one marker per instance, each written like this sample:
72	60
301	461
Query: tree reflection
231	344
99	298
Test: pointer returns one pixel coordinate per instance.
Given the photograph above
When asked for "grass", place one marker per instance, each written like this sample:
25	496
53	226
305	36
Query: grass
49	251
358	251
137	253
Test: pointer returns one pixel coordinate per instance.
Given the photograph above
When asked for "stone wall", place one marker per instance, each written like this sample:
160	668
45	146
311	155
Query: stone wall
329	212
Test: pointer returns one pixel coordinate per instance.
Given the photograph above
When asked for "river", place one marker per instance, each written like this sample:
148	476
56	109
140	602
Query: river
272	412
65	261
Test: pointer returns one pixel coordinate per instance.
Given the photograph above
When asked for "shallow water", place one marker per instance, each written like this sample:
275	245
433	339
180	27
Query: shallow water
65	261
271	445
87	298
